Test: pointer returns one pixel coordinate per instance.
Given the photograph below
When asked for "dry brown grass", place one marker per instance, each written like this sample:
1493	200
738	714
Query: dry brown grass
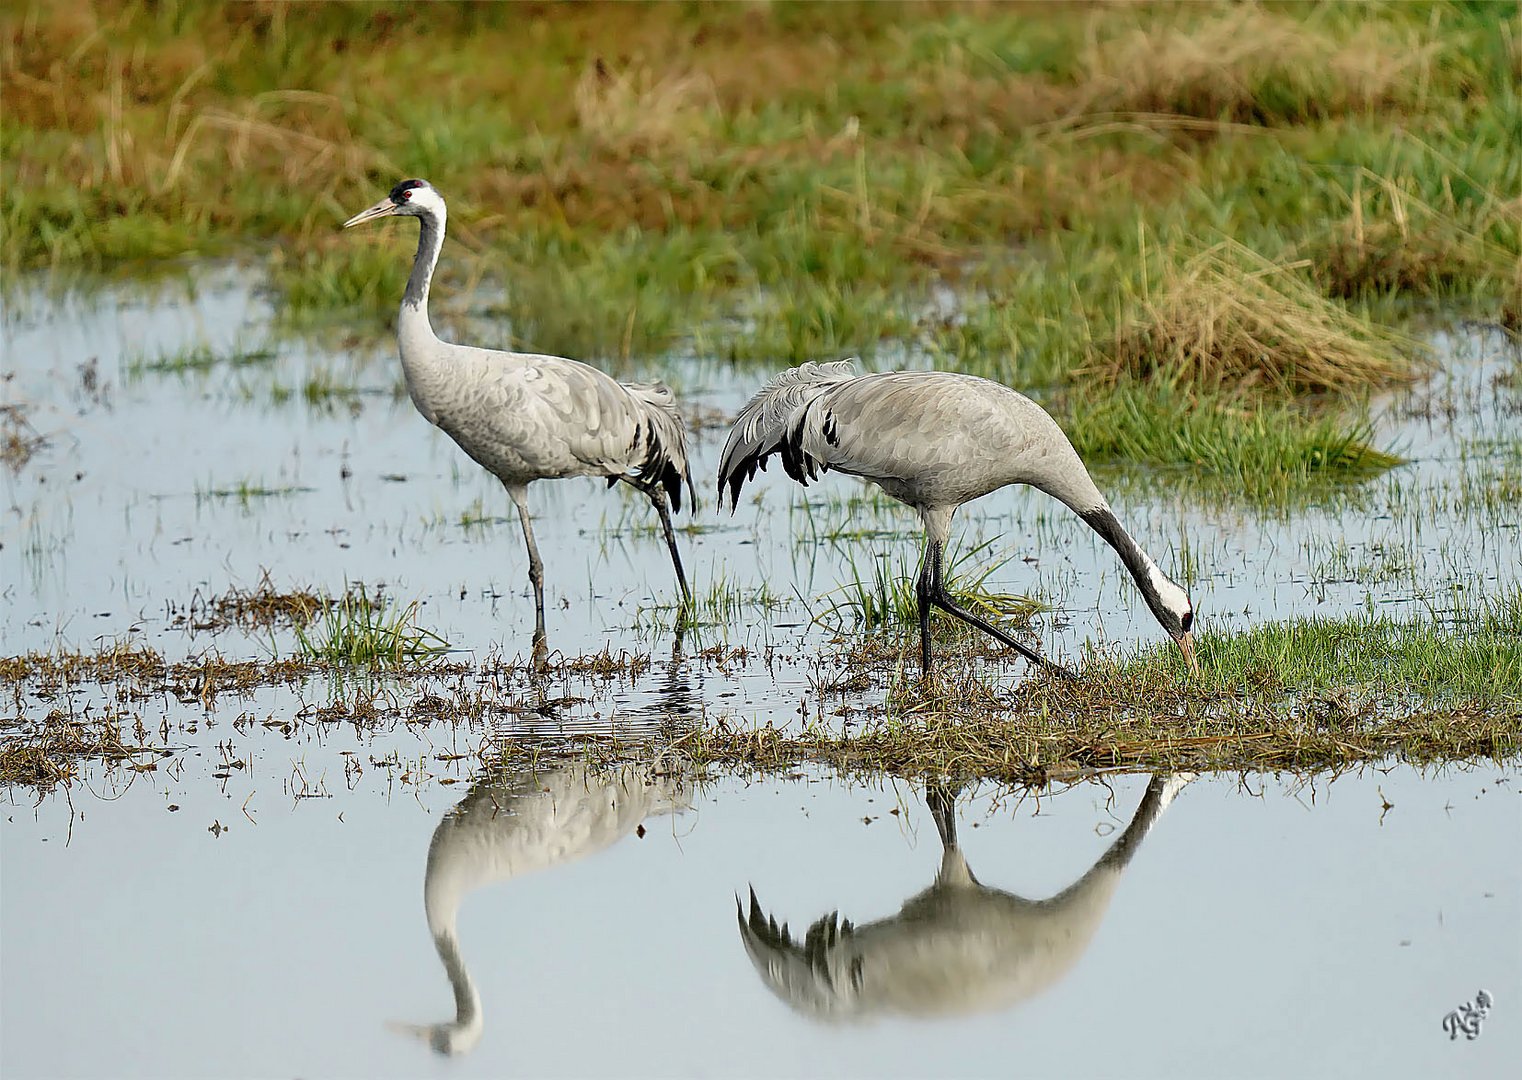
1511	305
264	606
143	672
639	110
1393	241
52	752
19	440
1228	318
1246	64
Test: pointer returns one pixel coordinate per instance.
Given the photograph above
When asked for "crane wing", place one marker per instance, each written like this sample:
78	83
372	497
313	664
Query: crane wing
548	416
771	418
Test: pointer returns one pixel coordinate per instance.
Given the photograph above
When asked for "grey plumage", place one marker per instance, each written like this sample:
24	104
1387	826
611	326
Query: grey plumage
513	824
526	417
957	947
933	440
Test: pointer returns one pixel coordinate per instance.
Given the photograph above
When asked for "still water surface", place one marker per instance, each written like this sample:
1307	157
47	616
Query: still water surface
285	916
1249	928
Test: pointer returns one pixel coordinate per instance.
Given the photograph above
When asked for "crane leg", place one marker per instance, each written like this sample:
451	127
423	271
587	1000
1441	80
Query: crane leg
939	597
925	594
535	567
942	803
658	497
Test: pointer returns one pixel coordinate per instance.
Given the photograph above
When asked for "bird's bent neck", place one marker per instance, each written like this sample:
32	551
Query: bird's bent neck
1103	521
466	1000
412	326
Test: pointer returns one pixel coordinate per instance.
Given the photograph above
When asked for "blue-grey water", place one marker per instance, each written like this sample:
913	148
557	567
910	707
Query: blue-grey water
270	918
1261	927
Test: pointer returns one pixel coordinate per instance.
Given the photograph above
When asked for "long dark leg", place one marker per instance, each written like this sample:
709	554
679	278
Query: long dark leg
924	593
535	567
942	802
658	497
939	597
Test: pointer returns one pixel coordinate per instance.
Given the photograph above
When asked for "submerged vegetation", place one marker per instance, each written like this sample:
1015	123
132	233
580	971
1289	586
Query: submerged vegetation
1231	201
1310	694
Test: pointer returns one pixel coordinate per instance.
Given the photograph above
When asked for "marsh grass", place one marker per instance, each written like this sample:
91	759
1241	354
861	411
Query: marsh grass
1229	318
197	359
639	110
357	631
1394	243
197	679
1471	651
263	607
718	605
248	491
1270	451
777	182
885	599
19	440
327	391
52	751
1251	65
1440	686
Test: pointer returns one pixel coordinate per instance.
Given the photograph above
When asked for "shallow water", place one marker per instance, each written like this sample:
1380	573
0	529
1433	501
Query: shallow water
140	502
254	904
1259	928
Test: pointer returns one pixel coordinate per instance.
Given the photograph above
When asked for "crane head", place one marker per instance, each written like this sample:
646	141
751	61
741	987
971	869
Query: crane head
1173	609
410	198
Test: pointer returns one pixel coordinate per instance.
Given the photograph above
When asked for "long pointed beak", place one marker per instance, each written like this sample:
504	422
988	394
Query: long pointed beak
380	209
1186	643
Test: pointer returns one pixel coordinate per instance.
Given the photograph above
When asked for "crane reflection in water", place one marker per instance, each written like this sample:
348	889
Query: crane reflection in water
957	947
513	823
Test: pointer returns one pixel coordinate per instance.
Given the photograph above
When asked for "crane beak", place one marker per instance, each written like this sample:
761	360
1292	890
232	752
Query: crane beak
1186	644
381	209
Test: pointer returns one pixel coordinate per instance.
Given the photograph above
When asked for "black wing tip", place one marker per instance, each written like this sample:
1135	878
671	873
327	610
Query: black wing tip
673	480
742	470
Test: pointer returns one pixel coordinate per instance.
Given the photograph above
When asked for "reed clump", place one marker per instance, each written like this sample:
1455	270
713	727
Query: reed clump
1249	65
639	110
1230	318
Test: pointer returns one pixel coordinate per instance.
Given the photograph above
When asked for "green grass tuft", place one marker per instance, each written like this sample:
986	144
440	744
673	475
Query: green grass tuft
356	630
1268	452
886	600
1472	651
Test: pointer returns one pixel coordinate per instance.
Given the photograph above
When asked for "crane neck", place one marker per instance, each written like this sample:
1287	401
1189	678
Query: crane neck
466	1000
412	323
1103	521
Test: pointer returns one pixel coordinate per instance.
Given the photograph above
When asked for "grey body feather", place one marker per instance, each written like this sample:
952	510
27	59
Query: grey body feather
526	417
928	438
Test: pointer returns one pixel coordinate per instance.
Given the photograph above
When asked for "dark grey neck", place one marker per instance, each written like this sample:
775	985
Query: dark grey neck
466	1003
1152	805
430	240
1102	521
1112	862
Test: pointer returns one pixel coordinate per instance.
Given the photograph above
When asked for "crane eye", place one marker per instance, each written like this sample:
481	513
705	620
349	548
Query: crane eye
406	194
1187	621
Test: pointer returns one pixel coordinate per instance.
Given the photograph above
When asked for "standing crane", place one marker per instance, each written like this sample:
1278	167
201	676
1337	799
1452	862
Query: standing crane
525	417
934	440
